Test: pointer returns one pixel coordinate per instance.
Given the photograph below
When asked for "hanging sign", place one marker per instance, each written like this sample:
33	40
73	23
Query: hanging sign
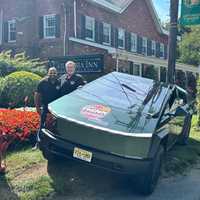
190	12
84	63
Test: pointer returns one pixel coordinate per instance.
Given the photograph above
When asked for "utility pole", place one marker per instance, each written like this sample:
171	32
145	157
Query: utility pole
172	43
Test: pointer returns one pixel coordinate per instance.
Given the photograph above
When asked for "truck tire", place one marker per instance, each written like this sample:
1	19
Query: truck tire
148	182
183	139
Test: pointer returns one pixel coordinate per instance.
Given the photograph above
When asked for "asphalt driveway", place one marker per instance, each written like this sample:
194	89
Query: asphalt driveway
86	183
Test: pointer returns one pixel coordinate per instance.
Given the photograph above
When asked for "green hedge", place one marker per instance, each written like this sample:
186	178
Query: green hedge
1	88
5	68
41	71
16	86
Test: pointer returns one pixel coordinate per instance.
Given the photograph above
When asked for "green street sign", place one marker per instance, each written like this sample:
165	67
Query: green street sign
190	12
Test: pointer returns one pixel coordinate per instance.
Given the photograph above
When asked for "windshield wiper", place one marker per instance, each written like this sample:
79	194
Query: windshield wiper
129	88
121	85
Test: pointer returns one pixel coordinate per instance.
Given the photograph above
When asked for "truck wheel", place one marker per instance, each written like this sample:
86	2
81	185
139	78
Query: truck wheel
51	157
148	182
48	155
183	139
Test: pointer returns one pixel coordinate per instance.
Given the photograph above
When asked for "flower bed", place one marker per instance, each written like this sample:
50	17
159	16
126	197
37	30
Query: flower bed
15	125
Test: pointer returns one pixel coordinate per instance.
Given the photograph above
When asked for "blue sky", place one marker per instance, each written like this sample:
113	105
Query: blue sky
162	8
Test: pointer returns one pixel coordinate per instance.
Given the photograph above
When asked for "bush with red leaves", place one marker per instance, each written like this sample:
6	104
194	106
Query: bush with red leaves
15	125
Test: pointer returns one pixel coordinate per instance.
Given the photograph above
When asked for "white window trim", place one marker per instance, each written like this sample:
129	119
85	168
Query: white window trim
121	29
93	28
153	41
144	38
108	25
11	22
163	47
135	36
44	26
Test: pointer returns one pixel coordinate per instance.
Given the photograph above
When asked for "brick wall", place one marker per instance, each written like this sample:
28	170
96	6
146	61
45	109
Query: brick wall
24	22
136	18
28	29
50	47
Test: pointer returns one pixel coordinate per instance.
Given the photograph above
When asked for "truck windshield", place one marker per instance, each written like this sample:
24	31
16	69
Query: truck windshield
129	92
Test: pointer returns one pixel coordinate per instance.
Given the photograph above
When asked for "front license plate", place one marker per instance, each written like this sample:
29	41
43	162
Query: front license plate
82	154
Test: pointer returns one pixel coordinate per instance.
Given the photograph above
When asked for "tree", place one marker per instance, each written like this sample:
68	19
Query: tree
189	47
166	25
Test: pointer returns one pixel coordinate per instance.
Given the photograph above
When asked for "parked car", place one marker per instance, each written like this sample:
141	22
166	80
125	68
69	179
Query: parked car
119	122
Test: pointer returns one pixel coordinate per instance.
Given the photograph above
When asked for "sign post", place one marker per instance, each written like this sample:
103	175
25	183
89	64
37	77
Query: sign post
190	12
172	42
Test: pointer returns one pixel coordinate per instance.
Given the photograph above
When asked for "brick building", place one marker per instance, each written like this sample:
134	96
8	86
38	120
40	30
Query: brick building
127	32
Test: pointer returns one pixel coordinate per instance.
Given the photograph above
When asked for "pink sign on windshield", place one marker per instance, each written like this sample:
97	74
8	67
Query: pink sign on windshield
97	111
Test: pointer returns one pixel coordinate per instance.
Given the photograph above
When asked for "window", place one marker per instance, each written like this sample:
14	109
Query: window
153	48
135	69
133	42
106	33
49	26
162	49
121	38
89	28
12	31
150	71
144	46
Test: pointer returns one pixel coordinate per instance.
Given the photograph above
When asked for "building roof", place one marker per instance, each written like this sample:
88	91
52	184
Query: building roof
120	6
117	6
120	3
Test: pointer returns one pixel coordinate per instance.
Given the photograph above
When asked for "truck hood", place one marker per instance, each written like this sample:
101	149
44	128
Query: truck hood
105	104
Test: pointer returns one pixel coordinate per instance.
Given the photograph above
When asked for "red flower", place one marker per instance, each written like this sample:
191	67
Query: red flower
16	124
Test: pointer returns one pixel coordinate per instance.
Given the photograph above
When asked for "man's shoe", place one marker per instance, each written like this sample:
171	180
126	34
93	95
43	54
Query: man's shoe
36	146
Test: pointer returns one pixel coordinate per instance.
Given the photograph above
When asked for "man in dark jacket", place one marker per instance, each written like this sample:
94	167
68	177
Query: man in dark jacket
71	80
47	91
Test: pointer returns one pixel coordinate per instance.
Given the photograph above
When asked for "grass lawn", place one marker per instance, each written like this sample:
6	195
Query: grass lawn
29	176
181	158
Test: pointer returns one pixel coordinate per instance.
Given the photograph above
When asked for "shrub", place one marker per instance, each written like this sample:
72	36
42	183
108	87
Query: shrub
20	62
1	87
1	90
6	69
16	87
41	71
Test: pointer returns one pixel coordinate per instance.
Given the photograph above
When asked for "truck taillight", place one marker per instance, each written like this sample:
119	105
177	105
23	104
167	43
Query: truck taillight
51	123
